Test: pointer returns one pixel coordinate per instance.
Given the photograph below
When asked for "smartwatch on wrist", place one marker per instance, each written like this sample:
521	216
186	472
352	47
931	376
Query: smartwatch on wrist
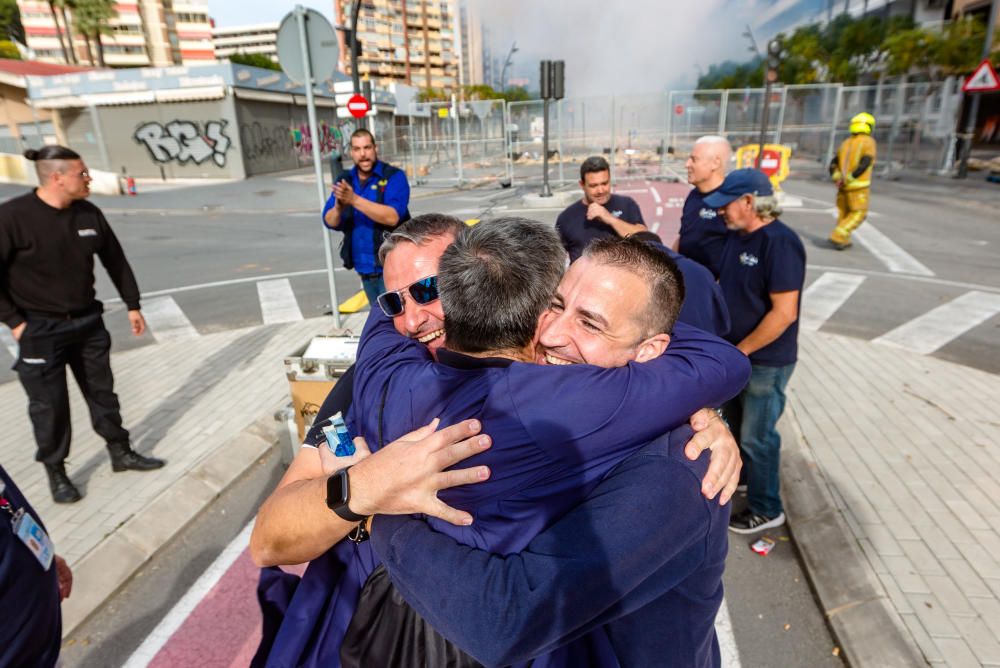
338	495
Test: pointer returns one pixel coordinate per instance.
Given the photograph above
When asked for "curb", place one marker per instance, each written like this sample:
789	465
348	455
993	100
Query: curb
861	616
117	558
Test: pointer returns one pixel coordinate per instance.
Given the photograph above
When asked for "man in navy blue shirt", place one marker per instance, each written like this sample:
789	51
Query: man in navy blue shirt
703	233
30	593
373	198
600	214
762	270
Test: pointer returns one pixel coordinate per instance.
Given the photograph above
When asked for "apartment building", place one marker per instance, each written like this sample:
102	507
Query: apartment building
142	33
260	38
407	41
471	38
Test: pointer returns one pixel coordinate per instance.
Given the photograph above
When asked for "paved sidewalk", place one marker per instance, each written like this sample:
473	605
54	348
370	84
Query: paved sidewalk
204	405
890	474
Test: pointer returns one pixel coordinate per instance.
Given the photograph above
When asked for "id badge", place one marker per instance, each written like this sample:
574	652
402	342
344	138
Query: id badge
33	535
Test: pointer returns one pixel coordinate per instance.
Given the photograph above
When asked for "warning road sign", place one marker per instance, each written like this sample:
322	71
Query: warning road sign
983	79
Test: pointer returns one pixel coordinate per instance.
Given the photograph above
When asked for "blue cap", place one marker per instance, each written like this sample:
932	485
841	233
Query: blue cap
739	183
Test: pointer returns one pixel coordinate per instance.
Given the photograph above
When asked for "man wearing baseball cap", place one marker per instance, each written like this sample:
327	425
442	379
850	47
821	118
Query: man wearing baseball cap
761	272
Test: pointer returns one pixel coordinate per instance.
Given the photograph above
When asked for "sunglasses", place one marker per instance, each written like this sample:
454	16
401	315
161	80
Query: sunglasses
423	292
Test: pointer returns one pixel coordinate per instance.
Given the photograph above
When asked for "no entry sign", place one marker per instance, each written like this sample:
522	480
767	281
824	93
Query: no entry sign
358	106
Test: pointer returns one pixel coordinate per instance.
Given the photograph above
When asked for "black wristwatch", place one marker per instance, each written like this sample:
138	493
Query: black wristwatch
338	495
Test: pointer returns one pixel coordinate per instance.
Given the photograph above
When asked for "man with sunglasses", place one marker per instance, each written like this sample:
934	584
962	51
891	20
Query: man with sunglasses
48	240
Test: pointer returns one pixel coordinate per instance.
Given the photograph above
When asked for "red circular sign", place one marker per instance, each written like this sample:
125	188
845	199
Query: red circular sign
679	109
358	106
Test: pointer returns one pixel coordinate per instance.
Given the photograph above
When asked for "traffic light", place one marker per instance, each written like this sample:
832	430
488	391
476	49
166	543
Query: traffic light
774	50
366	90
552	83
347	40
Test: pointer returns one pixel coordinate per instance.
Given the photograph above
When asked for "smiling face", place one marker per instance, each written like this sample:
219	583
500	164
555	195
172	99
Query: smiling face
596	187
405	264
596	318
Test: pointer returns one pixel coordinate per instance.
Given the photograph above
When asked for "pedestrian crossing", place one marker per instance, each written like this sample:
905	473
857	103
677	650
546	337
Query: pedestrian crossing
960	309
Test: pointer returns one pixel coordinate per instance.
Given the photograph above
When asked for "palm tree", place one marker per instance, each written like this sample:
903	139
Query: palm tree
92	18
59	33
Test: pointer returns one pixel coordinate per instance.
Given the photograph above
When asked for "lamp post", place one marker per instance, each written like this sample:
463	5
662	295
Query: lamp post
507	63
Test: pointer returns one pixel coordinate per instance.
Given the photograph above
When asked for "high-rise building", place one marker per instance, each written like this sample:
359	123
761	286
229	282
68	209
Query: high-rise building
472	44
261	39
408	41
142	33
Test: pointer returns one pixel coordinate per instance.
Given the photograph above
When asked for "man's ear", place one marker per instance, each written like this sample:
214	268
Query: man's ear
652	347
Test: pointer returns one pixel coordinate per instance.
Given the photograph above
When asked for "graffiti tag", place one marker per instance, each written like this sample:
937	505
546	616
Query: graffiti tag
183	142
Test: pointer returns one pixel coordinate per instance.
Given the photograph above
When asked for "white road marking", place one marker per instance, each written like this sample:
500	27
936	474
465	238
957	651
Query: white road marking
167	321
233	281
656	195
659	211
727	641
634	191
155	641
8	342
655	229
943	324
827	294
888	252
277	301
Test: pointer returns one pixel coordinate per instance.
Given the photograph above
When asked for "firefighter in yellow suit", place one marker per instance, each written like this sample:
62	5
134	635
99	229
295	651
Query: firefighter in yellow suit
851	169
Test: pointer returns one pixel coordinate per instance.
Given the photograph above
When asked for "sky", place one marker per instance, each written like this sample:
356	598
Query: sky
609	48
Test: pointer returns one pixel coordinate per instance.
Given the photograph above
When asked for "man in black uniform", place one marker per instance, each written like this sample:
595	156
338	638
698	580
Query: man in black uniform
48	239
600	214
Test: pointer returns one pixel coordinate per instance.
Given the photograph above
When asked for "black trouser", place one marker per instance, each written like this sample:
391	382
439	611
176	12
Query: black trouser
47	345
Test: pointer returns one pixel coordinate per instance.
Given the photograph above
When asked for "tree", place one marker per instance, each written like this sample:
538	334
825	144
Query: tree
254	60
59	32
9	50
91	18
936	54
10	21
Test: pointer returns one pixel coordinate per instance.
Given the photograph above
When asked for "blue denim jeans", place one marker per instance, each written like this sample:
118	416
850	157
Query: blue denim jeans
373	287
753	418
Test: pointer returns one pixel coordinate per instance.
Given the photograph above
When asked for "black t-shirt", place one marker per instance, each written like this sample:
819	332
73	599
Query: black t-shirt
47	258
576	232
31	625
771	259
703	232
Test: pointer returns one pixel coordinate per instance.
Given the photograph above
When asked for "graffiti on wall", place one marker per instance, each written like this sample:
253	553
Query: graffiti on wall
182	141
330	138
262	142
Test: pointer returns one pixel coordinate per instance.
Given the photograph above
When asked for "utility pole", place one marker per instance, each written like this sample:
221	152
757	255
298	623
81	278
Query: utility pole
507	63
970	126
355	79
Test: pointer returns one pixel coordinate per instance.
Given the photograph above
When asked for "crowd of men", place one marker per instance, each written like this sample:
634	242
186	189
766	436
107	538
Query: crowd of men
529	484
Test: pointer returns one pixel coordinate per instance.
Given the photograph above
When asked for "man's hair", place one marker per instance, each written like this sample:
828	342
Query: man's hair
656	269
362	132
767	206
495	282
50	160
725	150
421	230
593	164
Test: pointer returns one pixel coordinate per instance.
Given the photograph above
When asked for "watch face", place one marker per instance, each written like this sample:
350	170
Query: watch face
337	490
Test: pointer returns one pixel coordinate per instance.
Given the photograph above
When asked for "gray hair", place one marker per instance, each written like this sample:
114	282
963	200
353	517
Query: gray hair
495	282
767	206
723	148
420	230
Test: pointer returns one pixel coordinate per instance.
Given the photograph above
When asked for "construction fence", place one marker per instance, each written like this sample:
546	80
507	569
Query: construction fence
650	135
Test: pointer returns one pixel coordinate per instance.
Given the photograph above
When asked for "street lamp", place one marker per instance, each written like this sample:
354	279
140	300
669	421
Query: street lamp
507	63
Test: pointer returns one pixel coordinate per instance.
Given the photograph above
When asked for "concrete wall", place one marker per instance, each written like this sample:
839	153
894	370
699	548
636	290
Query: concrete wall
177	140
275	136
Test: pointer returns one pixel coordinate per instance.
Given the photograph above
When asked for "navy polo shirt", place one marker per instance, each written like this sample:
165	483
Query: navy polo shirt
703	231
576	232
771	259
31	624
397	195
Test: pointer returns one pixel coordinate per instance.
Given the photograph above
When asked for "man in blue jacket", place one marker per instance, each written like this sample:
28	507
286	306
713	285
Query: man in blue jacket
371	199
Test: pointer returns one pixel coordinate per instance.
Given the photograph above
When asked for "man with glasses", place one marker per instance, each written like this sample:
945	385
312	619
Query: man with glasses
48	239
366	203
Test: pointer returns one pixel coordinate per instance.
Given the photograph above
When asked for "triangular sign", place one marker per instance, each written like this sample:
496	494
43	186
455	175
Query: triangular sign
983	79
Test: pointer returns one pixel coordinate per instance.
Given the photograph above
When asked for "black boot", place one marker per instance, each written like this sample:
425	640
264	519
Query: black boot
63	490
124	458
